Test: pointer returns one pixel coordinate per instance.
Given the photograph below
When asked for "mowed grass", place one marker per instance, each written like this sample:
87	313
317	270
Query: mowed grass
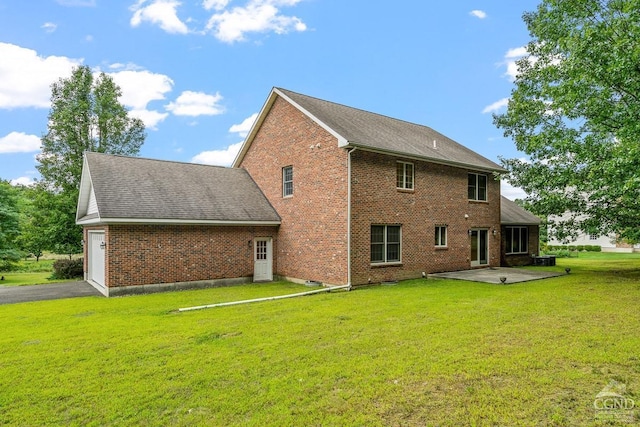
32	272
423	352
27	278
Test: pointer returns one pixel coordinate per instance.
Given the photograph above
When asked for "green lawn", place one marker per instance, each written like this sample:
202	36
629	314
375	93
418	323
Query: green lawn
20	278
32	272
423	352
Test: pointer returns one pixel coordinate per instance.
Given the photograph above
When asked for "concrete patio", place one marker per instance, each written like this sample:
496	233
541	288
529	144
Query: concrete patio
493	275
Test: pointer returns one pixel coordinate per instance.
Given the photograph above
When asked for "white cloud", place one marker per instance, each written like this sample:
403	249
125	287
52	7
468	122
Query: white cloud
129	66
150	118
510	59
194	104
511	192
19	142
23	180
218	157
516	52
215	4
496	106
25	77
49	27
141	87
243	128
160	12
478	13
258	16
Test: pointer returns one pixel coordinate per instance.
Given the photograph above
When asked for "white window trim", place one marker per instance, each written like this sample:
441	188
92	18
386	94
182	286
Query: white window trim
526	251
404	176
384	252
439	244
284	181
486	189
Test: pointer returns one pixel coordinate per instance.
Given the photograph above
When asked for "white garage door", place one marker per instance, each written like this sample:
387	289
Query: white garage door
96	258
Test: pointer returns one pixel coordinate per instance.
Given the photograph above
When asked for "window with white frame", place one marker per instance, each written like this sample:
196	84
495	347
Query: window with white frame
287	181
516	240
441	236
404	175
593	237
477	188
385	244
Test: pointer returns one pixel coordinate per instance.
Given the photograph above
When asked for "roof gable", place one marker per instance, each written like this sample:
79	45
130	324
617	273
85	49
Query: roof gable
512	214
353	127
133	189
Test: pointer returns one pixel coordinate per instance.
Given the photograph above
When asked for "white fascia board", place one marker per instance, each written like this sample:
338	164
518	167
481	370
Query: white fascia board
161	221
254	129
85	189
342	141
263	114
467	166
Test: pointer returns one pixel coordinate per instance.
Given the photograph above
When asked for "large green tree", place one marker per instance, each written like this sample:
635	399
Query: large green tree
575	111
85	115
9	226
36	232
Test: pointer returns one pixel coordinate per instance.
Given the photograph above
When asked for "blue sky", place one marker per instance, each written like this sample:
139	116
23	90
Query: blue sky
198	71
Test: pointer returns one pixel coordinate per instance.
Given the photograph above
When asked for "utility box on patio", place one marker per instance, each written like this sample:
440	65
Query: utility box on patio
545	260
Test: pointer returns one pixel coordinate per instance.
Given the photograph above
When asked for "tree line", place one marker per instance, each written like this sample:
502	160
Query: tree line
85	115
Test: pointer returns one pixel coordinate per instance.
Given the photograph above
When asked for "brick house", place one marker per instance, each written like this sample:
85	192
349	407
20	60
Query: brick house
344	196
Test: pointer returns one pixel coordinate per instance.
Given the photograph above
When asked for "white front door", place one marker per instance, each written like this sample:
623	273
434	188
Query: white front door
97	251
479	247
262	259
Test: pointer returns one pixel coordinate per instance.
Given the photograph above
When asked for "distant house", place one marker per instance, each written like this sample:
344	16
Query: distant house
608	243
319	191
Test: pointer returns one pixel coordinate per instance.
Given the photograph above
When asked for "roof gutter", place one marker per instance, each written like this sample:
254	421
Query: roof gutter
163	221
354	145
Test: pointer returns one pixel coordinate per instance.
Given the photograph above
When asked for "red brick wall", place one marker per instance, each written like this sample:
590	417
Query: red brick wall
439	197
312	240
153	254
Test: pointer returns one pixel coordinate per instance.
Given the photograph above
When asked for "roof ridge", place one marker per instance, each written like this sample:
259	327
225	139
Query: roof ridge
178	162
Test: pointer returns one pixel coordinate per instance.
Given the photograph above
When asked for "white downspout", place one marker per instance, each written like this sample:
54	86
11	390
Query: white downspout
349	216
248	301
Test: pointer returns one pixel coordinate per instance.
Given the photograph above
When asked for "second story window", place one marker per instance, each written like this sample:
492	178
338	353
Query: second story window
477	187
404	176
287	181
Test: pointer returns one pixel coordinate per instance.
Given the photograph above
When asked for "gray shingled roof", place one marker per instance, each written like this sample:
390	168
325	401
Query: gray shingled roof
377	132
140	189
512	214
